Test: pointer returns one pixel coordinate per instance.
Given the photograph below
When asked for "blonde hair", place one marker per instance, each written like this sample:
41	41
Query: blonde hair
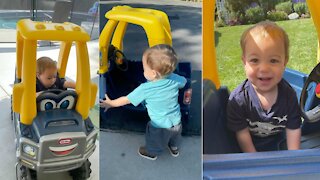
161	58
44	63
264	29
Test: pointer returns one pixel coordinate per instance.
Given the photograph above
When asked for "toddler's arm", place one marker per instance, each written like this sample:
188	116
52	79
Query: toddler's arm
293	138
121	101
38	93
69	84
245	141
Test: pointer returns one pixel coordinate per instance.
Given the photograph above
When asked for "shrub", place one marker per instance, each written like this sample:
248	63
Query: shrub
307	15
237	7
254	15
285	7
220	23
233	22
300	8
269	5
220	15
242	19
236	19
277	16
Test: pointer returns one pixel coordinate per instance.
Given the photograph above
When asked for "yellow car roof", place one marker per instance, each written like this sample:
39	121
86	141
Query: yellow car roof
34	30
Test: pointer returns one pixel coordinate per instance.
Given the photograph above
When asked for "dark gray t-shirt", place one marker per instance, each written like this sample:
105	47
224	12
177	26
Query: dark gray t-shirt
266	128
57	85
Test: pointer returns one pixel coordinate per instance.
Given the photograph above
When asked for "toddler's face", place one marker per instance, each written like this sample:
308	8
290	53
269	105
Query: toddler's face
148	73
48	77
264	61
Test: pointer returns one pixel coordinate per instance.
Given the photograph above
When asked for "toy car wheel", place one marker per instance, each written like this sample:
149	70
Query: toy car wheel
24	173
81	173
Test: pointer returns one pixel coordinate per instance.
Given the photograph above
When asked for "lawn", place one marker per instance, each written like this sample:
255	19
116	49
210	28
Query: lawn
303	50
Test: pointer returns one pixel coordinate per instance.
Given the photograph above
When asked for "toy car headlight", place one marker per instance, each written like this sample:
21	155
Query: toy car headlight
90	142
30	150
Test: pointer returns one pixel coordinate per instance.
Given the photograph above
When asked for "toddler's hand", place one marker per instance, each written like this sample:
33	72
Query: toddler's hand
105	103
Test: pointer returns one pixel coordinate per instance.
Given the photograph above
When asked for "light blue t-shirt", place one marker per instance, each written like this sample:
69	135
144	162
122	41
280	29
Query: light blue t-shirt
161	98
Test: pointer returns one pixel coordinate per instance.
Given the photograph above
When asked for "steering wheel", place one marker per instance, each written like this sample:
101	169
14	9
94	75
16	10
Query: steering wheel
312	115
51	91
118	58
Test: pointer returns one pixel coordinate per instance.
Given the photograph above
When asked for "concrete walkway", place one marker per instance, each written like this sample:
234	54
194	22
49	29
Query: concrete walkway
119	159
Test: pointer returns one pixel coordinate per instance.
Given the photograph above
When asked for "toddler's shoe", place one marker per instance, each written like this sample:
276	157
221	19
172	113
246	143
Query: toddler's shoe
143	153
174	151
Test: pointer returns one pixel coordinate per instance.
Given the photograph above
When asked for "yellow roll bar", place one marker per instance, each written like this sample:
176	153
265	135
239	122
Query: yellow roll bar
154	22
209	62
24	93
314	7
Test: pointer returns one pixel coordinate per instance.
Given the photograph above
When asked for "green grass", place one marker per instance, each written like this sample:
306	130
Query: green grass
303	50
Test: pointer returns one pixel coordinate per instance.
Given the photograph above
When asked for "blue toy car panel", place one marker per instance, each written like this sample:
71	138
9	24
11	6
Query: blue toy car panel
263	165
297	80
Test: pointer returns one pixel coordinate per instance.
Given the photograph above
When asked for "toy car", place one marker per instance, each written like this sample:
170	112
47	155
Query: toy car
53	131
119	75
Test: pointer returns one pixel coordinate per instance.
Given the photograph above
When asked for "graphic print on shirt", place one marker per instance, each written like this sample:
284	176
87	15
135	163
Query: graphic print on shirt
284	118
264	129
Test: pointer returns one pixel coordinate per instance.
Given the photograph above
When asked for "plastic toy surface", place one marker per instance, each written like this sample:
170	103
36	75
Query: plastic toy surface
210	70
53	131
119	75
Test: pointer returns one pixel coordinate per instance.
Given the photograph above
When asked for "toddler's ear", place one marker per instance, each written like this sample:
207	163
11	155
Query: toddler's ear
243	60
155	74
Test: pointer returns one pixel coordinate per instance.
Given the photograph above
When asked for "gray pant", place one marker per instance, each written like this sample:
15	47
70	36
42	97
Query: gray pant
158	139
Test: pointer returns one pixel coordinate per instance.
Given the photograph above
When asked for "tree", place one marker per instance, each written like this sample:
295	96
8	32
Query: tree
267	5
237	8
